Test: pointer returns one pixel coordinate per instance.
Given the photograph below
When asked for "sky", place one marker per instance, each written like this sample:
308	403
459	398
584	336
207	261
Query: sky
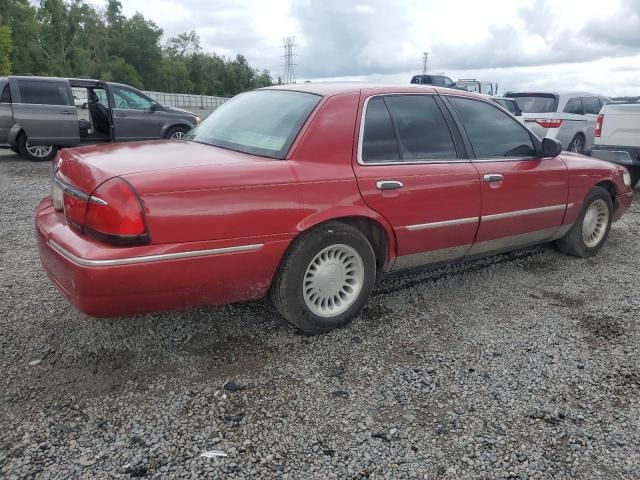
520	44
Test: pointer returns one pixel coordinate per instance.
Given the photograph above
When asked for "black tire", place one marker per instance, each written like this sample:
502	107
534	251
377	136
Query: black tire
178	129
573	242
635	176
14	150
24	151
576	144
287	290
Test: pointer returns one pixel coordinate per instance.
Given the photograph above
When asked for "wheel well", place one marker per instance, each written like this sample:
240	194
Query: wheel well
609	187
176	125
374	232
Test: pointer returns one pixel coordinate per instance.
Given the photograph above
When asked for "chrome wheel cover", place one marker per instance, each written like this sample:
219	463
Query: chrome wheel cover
595	222
177	135
38	151
333	280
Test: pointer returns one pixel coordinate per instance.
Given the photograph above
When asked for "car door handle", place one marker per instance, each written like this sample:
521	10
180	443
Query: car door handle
121	114
493	177
388	184
68	112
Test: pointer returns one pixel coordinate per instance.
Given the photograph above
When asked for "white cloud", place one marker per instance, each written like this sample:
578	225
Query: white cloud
519	43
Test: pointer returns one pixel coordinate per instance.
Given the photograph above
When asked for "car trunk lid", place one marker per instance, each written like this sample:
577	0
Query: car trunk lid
87	167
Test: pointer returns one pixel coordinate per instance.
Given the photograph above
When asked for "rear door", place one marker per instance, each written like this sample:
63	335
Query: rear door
133	116
411	169
524	197
44	108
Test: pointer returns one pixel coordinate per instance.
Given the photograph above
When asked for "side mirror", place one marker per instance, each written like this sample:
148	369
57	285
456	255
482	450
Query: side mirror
551	147
155	107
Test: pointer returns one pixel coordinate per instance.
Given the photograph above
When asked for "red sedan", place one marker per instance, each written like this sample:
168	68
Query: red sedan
306	192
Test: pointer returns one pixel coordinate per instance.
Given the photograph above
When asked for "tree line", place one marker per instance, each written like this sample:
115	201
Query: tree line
74	39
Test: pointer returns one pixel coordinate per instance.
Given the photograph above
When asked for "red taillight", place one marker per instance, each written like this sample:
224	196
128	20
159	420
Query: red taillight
115	215
598	131
75	207
546	123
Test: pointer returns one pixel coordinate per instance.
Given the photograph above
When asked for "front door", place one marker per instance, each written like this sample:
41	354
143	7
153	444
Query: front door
524	197
133	115
411	172
44	107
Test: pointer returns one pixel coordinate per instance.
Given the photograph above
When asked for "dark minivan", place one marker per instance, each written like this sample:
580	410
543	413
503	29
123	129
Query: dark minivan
38	115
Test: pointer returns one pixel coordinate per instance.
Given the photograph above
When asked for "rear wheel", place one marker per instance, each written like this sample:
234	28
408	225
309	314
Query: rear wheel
325	279
35	153
176	133
590	232
577	144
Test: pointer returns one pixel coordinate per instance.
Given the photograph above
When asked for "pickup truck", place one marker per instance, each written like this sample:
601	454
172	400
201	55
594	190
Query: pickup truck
617	137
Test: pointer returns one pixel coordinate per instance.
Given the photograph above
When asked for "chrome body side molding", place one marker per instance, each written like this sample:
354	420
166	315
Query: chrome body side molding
85	262
446	223
518	213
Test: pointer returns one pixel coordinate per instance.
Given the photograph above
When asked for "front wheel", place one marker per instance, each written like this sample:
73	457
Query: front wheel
35	153
325	279
590	232
176	133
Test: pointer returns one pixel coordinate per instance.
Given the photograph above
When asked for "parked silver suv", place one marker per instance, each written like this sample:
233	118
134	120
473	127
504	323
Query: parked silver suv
569	117
38	115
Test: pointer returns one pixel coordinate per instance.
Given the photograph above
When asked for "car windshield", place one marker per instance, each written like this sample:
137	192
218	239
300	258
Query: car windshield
263	122
535	102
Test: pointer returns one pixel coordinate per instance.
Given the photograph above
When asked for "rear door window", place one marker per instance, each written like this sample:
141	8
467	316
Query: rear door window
574	105
39	92
423	133
379	142
492	132
591	105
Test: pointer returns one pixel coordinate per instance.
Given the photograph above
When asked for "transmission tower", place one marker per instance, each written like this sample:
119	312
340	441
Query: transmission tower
289	57
425	63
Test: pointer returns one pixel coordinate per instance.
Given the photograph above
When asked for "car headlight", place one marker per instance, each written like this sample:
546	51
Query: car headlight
626	178
196	119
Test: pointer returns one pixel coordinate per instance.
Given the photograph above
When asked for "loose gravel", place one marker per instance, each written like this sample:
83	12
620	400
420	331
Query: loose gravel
523	366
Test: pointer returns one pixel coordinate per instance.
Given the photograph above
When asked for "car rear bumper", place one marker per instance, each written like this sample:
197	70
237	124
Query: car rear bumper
625	156
106	281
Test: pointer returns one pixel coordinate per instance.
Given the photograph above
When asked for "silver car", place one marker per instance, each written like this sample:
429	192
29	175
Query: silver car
38	115
569	117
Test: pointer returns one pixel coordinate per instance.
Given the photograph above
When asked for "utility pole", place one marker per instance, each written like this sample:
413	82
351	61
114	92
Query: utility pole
425	64
289	57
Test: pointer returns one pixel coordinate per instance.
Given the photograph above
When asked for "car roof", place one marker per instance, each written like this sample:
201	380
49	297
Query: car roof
337	88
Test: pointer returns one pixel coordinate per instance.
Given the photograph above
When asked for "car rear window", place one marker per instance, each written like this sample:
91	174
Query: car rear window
535	102
264	122
44	92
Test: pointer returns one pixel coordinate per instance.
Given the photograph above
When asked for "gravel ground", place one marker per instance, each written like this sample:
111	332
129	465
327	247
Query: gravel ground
520	366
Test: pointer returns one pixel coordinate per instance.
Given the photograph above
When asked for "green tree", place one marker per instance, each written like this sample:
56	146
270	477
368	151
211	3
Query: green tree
6	47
